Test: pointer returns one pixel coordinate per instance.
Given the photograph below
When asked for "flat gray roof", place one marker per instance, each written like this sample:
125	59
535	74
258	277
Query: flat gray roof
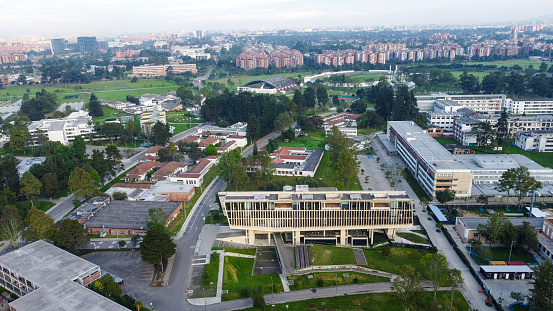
476	162
504	269
313	159
473	222
67	296
427	147
128	214
45	264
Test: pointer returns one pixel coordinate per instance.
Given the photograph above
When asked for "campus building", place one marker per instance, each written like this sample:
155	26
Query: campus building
302	215
270	85
49	278
64	130
161	70
149	118
541	141
530	106
485	103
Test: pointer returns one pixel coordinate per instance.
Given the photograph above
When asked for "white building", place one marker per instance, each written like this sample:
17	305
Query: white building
149	118
485	103
530	106
345	122
541	141
237	129
63	130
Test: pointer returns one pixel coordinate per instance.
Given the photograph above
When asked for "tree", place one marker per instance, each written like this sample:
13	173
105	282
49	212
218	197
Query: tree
518	297
435	269
134	80
492	230
346	167
113	160
337	142
39	225
404	105
230	168
484	133
298	98
358	106
107	287
322	95
258	298
81	183
335	100
272	145
94	107
210	150
156	217
384	100
455	283
408	287
79	148
541	296
160	134
507	182
138	305
469	83
444	196
502	129
70	235
157	246
421	120
9	175
12	226
524	183
117	195
283	121
20	138
527	236
30	186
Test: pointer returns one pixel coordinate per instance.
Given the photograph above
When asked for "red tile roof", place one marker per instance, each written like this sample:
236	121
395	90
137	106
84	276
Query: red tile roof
292	157
199	167
167	169
149	158
154	149
208	141
143	168
191	139
134	186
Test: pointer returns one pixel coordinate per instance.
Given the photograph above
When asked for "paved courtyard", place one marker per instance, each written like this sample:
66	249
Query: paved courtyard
266	261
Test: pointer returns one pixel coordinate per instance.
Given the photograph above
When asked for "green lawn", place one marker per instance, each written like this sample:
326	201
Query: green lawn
24	207
331	255
179	128
327	177
414	184
365	77
502	254
369	302
397	259
109	113
413	237
446	141
317	141
238	276
333	279
524	63
211	271
108	90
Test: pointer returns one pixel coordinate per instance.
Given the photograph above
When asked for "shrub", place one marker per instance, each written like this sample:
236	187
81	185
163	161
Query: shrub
119	195
244	293
386	251
355	280
320	282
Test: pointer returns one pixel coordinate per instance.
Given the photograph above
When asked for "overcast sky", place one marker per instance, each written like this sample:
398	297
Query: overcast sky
102	17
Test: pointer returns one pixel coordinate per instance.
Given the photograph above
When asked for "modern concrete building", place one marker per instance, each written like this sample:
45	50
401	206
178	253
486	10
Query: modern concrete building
49	278
530	106
237	129
149	118
63	130
541	141
430	163
195	175
485	103
302	215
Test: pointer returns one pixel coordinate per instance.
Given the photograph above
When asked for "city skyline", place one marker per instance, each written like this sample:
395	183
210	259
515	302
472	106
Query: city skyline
51	18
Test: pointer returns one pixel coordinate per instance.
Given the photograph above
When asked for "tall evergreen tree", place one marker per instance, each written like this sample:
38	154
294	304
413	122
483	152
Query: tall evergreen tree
94	107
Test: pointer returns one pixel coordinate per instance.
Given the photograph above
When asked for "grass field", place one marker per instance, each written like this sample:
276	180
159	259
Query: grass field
414	184
412	237
211	271
109	113
237	276
369	302
397	259
179	128
108	90
524	63
333	279
446	141
317	141
327	177
245	251
365	77
330	255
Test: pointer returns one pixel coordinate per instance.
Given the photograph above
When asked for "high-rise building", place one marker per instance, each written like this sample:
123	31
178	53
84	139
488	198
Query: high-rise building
87	44
58	46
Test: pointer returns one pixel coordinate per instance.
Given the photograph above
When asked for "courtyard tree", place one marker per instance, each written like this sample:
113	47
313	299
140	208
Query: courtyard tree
407	286
541	295
507	182
11	225
157	246
444	196
81	183
107	287
30	186
230	168
484	133
39	225
435	269
50	184
70	235
210	150
346	167
524	183
527	236
493	228
160	134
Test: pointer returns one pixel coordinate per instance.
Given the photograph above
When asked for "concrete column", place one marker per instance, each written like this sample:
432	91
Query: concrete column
371	236
296	237
343	237
268	238
251	237
390	232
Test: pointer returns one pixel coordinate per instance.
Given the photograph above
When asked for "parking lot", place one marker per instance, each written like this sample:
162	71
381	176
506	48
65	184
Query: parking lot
129	266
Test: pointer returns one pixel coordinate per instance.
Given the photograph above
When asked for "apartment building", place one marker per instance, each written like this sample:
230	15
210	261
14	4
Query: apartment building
161	70
49	278
541	141
63	130
301	215
430	163
537	106
149	118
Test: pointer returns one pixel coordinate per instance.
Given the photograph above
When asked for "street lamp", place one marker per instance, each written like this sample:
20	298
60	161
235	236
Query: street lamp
470	243
272	291
511	250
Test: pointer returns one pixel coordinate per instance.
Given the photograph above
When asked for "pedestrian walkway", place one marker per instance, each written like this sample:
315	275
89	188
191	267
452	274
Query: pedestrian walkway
360	256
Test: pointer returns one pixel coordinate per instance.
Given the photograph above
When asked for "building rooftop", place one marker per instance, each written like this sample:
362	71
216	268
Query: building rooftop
26	164
432	152
128	214
67	296
88	208
46	265
506	269
485	162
